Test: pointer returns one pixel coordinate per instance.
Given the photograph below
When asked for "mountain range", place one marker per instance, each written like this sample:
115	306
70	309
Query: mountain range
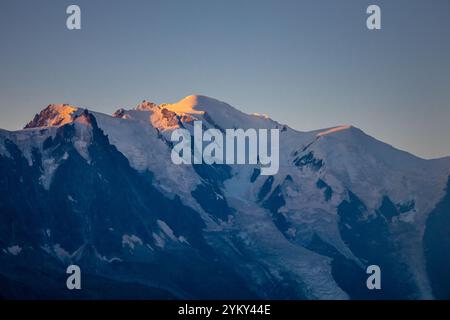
100	191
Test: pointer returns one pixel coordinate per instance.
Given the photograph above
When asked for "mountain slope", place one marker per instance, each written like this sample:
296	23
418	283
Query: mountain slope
101	191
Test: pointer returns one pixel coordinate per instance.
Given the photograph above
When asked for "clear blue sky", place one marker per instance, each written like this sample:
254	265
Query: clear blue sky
310	64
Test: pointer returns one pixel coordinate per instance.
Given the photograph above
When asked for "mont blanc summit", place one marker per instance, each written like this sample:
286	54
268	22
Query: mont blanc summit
101	192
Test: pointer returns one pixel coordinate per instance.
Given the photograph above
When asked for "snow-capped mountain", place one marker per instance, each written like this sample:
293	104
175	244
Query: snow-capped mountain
101	191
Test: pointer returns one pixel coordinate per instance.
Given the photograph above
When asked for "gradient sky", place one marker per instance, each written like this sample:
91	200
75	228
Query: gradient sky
310	64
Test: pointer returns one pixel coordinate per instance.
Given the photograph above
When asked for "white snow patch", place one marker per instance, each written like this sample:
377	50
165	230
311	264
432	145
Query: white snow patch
183	239
264	116
131	241
83	137
49	167
103	258
3	150
14	250
292	232
408	217
61	252
158	240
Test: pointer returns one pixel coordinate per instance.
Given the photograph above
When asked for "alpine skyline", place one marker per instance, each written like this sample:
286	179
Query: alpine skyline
308	64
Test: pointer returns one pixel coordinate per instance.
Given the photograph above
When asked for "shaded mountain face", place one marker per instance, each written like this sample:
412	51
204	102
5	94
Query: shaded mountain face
99	191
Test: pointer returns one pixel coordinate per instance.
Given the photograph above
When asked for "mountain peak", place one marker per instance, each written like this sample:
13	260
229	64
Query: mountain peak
53	115
195	104
146	106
